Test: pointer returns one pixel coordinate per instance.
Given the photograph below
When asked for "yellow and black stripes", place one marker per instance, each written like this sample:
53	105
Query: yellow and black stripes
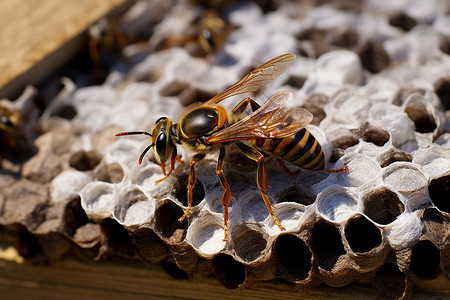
301	149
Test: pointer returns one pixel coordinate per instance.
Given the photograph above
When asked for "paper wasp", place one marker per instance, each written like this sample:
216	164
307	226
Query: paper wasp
13	140
270	130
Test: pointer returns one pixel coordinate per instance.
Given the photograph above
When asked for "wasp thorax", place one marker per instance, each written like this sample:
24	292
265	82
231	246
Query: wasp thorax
199	122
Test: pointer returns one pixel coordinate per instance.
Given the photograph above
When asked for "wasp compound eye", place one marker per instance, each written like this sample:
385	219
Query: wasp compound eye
161	145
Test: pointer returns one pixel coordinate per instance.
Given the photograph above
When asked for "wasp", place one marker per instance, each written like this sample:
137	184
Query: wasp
14	141
212	33
270	129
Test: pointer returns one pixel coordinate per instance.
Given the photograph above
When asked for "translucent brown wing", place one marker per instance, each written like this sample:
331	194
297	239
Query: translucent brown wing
269	121
257	78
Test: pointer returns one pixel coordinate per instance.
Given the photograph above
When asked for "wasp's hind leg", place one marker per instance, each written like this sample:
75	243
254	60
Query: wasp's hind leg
285	168
261	177
191	182
226	196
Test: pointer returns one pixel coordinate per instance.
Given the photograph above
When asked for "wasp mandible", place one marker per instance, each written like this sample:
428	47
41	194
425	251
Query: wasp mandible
270	129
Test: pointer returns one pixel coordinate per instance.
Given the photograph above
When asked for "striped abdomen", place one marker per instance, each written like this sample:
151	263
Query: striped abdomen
301	149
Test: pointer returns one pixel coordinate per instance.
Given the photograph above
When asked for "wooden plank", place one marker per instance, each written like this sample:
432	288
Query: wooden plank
38	36
70	279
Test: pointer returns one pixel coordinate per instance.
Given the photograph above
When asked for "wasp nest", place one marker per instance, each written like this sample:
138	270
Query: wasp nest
379	90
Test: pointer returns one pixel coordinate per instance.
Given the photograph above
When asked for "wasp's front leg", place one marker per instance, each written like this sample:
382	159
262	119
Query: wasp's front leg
191	182
226	196
173	158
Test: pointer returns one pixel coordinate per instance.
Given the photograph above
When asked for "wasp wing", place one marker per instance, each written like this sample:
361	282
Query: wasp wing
268	121
257	78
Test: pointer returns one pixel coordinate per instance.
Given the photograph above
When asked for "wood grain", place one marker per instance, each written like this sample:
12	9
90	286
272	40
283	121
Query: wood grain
71	279
38	36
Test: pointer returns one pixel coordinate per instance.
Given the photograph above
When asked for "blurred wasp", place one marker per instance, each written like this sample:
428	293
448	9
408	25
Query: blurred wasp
12	134
212	32
270	130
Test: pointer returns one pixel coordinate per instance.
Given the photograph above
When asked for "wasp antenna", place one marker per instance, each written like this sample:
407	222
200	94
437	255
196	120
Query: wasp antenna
133	132
143	153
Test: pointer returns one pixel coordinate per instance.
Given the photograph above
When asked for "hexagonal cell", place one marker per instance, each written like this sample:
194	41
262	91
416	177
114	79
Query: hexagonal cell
290	215
206	234
117	240
98	199
391	283
133	207
249	243
346	141
374	57
149	245
404	92
375	135
382	205
297	194
421	116
150	76
409	180
147	176
295	81
436	225
314	104
393	155
435	160
362	169
439	190
362	235
65	111
403	21
444	44
67	184
180	191
112	173
124	151
194	95
442	89
28	244
250	208
365	244
425	260
336	204
173	89
326	245
316	37
348	106
228	271
166	223
85	160
294	256
348	39
74	216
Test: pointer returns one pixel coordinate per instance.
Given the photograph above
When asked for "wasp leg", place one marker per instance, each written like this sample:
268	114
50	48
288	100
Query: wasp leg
226	196
285	168
191	182
261	177
173	158
179	41
93	53
240	108
344	169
